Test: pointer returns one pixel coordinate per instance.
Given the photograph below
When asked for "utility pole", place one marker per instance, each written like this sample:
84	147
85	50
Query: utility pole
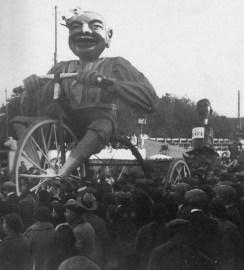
56	36
6	100
239	111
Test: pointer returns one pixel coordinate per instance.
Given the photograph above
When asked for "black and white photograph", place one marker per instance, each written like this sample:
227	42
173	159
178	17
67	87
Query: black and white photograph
122	135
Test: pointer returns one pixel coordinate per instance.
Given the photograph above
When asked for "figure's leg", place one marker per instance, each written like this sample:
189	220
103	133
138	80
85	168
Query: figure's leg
84	149
96	137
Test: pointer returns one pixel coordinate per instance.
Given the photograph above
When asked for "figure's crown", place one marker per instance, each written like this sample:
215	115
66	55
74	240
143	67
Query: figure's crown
77	10
72	12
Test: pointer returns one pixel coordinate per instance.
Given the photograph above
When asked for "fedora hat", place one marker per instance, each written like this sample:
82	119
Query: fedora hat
73	205
87	201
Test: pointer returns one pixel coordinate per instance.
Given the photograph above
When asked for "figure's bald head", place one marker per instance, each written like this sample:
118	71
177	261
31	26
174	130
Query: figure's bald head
86	16
88	34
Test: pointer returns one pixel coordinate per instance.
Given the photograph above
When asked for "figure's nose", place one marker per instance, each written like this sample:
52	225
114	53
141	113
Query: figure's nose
86	28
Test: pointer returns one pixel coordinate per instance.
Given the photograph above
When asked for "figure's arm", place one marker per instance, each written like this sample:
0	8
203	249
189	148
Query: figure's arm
132	86
37	91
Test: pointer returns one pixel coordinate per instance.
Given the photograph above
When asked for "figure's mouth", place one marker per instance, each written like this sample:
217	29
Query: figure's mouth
85	41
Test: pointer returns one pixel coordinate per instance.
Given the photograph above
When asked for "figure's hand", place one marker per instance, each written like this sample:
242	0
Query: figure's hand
89	77
27	100
32	83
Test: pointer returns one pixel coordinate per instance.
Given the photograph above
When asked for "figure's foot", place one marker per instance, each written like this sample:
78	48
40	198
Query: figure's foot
50	172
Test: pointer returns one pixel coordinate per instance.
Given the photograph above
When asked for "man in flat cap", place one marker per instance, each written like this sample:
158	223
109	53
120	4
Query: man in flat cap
204	231
178	253
83	231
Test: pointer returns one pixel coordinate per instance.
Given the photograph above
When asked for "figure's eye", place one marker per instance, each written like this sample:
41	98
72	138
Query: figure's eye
96	26
74	26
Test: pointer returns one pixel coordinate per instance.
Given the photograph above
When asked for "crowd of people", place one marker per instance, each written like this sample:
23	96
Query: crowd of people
129	224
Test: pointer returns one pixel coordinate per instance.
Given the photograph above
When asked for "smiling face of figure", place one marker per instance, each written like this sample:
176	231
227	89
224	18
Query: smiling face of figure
88	35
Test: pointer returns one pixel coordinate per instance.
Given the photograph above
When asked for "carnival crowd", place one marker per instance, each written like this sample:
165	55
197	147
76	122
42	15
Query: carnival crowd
129	224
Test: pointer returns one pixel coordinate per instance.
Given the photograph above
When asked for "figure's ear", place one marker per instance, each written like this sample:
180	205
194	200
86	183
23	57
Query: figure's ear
109	36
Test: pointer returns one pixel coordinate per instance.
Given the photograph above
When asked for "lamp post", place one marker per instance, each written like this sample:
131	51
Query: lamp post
55	37
7	120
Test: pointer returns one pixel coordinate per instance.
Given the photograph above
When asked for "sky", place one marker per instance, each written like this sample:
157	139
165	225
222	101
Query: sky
187	48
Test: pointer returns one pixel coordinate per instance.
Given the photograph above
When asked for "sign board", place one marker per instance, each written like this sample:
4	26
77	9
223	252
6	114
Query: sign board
142	121
198	133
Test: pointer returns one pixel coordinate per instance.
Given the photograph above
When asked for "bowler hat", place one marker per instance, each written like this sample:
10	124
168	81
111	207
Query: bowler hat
9	185
196	195
78	263
178	226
